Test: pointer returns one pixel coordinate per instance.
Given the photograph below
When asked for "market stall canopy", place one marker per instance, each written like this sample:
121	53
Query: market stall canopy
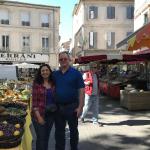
136	57
88	59
26	65
137	40
102	58
113	58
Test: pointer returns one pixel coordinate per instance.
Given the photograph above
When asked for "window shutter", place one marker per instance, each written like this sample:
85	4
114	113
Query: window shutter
112	40
130	12
108	12
113	12
3	41
95	39
47	42
95	12
7	41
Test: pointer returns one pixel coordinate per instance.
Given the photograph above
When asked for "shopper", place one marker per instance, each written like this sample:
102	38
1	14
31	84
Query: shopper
43	106
70	101
91	94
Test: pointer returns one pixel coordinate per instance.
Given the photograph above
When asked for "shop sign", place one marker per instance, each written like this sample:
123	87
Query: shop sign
21	57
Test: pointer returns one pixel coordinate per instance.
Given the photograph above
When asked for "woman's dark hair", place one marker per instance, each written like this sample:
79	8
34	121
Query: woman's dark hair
39	79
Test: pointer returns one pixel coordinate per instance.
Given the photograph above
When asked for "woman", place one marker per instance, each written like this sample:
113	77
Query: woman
43	106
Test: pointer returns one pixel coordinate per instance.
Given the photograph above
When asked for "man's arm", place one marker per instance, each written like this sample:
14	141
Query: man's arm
81	102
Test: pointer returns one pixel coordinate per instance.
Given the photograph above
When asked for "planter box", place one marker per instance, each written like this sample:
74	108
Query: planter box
135	101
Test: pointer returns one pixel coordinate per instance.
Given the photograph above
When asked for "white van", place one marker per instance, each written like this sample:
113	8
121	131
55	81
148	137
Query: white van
8	72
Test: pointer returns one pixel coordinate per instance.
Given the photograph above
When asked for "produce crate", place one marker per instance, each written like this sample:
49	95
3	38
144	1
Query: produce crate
135	101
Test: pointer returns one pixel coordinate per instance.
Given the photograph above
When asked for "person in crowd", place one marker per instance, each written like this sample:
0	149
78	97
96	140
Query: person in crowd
91	94
69	86
43	106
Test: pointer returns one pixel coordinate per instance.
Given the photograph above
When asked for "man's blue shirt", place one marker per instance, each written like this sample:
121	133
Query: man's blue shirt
68	85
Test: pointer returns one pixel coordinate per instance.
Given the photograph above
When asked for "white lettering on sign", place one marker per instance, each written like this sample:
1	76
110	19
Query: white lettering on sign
20	57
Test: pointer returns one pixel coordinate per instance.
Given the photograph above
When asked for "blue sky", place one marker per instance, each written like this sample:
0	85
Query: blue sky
66	14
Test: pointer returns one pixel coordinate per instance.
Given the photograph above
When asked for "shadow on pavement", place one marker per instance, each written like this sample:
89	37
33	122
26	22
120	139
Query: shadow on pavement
115	142
130	123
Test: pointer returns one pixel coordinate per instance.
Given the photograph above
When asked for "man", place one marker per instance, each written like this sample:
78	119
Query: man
70	100
91	94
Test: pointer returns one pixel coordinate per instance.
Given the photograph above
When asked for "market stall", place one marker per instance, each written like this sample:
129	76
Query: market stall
120	70
14	115
26	71
131	97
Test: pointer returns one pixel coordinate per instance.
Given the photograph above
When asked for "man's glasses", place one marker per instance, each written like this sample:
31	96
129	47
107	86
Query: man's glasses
63	59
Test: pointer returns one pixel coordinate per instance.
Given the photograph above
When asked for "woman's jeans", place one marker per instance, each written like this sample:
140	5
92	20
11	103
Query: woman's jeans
43	132
91	101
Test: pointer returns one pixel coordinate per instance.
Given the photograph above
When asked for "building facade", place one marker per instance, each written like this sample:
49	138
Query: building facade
142	13
29	33
98	25
65	46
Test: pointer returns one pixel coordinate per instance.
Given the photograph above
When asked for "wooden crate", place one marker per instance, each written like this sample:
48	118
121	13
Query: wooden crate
135	101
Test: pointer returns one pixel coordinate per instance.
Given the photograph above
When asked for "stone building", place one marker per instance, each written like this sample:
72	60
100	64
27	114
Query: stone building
98	25
142	13
29	33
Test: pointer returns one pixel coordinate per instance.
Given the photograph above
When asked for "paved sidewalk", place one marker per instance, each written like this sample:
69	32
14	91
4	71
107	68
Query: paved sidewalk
119	129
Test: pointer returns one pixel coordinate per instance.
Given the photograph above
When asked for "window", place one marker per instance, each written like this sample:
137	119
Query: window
45	20
25	19
45	43
4	17
110	12
92	39
129	33
26	43
93	12
110	40
145	18
5	42
130	12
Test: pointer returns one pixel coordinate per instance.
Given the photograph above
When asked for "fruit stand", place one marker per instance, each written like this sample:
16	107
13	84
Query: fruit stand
15	116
